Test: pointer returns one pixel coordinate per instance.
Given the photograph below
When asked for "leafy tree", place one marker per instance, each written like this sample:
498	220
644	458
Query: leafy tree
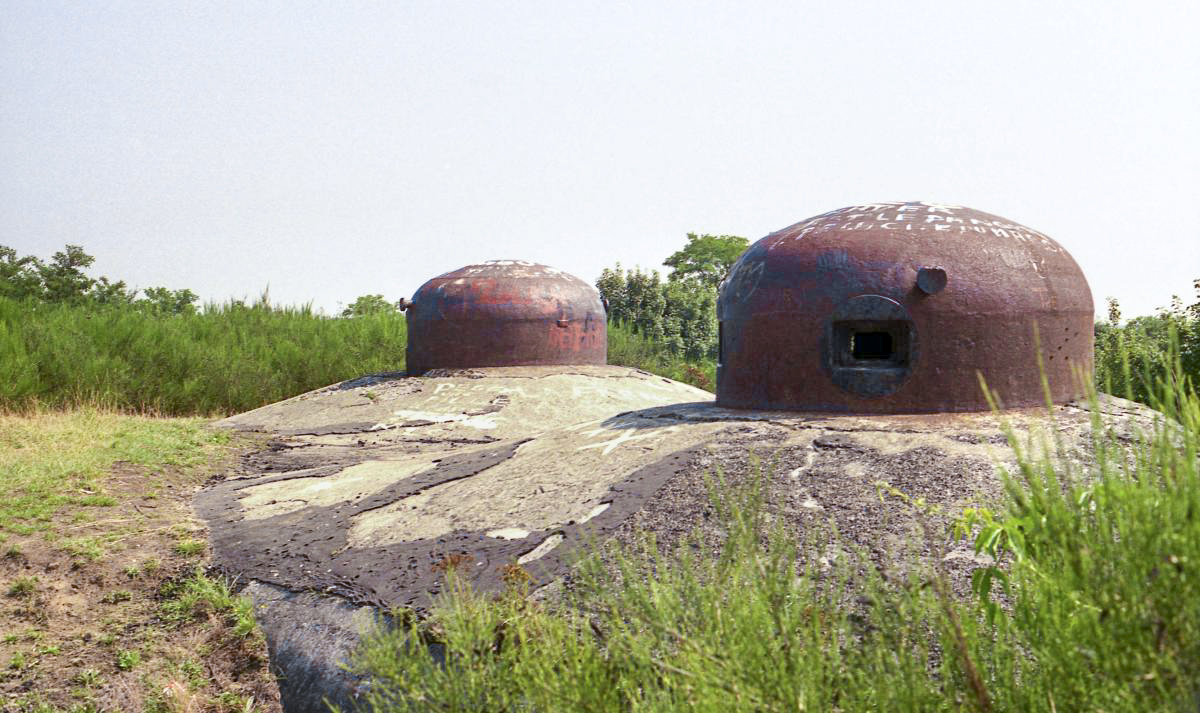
690	319
1144	343
681	315
635	298
368	304
19	276
63	279
161	300
60	280
612	288
110	293
1114	311
706	258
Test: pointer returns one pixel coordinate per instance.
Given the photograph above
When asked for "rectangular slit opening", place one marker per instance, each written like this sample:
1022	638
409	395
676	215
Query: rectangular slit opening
871	345
720	342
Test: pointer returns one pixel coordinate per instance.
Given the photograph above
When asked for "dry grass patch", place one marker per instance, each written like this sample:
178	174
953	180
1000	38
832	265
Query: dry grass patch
107	606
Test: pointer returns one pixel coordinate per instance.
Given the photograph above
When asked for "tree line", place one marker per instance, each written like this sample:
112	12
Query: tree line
670	322
680	313
1134	357
62	280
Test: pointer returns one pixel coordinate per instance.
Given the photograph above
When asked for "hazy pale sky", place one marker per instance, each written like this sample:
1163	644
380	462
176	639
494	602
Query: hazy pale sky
330	150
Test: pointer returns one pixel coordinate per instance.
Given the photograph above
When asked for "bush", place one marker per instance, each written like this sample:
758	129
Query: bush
1131	358
628	348
681	316
224	359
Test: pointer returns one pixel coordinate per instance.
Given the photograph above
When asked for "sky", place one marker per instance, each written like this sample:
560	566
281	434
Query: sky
331	150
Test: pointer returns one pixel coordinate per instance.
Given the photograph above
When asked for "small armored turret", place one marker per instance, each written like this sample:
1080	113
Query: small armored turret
504	313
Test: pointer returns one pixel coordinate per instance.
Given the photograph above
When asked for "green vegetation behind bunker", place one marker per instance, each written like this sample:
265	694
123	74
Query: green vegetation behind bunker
1086	601
225	359
67	339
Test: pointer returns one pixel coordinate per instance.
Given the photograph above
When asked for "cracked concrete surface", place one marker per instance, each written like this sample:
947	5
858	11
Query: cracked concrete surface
370	485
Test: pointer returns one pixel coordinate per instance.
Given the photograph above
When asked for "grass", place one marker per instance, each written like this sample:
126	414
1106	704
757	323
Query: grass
89	677
199	595
128	659
117	596
23	586
225	359
189	547
106	588
51	460
1090	606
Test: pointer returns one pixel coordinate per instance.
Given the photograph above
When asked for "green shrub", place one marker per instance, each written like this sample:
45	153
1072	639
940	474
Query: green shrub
1131	358
628	348
221	360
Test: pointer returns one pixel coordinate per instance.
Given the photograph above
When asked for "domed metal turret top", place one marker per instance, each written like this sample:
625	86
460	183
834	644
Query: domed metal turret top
900	307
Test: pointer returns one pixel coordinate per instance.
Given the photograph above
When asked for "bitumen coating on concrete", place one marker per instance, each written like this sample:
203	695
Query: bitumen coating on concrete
369	486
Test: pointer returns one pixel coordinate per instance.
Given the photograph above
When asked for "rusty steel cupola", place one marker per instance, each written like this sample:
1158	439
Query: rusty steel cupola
898	308
504	313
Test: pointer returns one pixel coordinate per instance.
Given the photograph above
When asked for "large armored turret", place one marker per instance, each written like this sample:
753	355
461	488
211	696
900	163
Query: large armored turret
898	308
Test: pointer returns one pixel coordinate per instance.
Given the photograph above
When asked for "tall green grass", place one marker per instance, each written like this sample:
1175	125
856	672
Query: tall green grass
1092	605
225	359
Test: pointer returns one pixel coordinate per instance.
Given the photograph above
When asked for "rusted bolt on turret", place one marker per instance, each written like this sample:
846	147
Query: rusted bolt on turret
931	280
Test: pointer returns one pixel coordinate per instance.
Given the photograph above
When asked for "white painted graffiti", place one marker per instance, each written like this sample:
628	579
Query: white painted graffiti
623	436
917	217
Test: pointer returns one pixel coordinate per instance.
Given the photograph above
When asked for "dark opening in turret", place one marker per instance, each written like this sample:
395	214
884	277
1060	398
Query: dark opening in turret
871	345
